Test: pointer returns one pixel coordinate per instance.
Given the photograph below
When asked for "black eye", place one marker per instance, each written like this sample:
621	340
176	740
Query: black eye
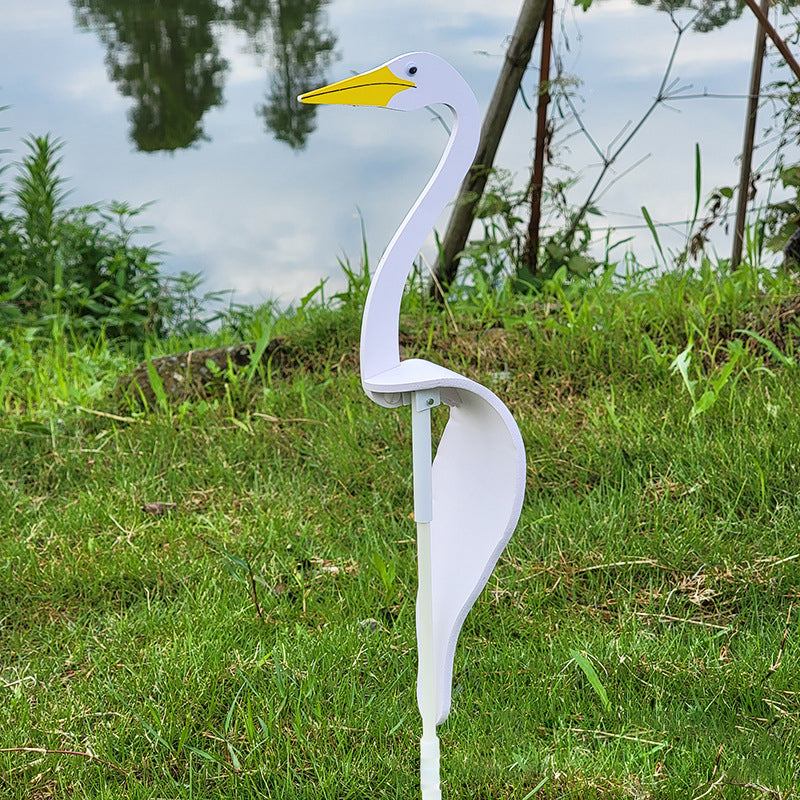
412	70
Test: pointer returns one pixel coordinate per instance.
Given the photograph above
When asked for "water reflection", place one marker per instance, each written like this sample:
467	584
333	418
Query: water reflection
166	57
302	50
163	55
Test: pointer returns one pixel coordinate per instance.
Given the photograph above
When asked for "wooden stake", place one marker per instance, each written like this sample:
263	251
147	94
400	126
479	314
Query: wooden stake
749	136
508	82
783	48
537	180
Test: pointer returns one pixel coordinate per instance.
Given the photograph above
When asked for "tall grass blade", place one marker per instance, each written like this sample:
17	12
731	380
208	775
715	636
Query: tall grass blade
536	788
648	219
258	354
697	185
771	347
156	384
681	365
591	674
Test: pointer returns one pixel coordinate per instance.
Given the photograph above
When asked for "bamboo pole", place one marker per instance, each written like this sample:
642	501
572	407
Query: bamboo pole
749	137
516	62
783	48
537	179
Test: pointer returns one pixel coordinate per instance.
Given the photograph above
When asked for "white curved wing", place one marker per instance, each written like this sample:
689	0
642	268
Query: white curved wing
478	488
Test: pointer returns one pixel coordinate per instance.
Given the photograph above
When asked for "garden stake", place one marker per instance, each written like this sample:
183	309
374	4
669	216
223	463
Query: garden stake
467	503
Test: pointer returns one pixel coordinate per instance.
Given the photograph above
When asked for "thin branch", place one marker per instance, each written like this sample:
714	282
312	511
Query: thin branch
774	667
639	562
716	763
584	129
97	413
776	38
668	89
437	116
254	591
771	564
711	788
608	161
745	173
46	752
624	172
621	133
706	95
609	735
670	618
17	682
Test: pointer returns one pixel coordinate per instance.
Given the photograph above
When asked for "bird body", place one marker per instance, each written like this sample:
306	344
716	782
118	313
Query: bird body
478	483
467	503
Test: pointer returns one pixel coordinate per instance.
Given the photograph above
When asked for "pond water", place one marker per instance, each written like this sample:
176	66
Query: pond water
189	105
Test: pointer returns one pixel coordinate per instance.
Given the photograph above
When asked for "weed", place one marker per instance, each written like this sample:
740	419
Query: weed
79	268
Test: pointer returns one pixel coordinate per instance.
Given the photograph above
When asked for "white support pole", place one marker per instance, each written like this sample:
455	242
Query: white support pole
421	404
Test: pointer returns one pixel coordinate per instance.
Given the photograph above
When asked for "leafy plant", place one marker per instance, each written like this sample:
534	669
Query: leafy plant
702	402
388	574
242	571
497	257
81	265
782	218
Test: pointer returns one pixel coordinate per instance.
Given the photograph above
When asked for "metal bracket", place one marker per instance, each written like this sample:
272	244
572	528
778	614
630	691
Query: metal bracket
425	399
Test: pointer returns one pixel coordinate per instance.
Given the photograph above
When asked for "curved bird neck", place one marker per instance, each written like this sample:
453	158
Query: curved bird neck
380	348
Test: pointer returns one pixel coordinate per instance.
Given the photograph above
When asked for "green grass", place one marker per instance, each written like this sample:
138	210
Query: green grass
639	638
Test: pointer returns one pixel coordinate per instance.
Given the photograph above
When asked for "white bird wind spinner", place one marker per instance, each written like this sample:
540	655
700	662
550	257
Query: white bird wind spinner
467	503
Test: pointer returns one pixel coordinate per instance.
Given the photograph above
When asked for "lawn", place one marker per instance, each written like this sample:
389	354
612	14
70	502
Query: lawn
215	599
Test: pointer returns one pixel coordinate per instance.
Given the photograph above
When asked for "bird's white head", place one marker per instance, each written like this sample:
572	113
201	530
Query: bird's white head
405	83
408	82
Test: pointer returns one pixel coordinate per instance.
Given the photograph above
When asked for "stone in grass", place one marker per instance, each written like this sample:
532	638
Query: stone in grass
158	507
195	374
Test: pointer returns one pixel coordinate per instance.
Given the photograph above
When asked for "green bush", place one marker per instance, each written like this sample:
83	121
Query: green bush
80	265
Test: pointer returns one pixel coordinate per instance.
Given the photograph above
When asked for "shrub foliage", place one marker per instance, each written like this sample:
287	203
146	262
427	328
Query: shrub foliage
80	265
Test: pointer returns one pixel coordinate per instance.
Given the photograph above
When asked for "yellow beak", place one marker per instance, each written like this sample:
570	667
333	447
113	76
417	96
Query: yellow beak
374	88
